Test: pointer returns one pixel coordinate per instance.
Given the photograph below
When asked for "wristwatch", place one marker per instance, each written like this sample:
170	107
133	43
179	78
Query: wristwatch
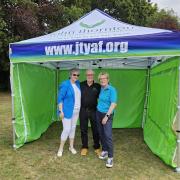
107	115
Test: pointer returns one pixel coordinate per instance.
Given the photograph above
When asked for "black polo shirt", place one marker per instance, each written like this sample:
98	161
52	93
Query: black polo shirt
89	94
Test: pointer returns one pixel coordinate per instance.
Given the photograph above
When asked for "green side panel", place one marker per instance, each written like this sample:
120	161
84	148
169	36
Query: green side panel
162	109
130	86
34	101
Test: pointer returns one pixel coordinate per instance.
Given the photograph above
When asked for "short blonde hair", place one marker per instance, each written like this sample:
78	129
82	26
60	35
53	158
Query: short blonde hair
103	74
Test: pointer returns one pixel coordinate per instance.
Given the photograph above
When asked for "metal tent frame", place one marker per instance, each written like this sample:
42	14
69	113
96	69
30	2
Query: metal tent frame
121	63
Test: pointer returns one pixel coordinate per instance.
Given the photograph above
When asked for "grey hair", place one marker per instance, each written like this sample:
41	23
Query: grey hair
90	70
73	70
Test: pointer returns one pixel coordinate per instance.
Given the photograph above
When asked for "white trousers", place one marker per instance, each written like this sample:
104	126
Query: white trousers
69	126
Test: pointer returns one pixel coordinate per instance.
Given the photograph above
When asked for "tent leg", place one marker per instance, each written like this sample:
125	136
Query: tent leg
178	128
57	85
147	95
12	100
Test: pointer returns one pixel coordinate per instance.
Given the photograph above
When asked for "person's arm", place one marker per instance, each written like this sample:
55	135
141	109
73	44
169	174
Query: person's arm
61	96
61	110
111	108
113	105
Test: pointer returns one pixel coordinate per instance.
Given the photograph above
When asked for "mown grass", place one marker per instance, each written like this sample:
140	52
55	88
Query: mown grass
37	160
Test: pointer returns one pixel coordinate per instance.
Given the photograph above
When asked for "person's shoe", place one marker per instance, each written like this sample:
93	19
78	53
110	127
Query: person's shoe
84	151
59	154
98	151
103	155
109	163
73	151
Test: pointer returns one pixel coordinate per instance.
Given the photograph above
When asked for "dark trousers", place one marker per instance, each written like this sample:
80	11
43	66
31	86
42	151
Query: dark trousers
85	115
105	133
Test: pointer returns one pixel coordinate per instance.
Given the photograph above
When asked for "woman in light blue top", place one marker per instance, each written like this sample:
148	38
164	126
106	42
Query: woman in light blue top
104	116
69	102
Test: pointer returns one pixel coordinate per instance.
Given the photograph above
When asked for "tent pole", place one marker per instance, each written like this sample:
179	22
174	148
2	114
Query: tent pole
12	101
178	127
57	85
147	93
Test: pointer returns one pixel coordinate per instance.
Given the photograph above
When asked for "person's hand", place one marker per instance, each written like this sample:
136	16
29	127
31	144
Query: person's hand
61	115
105	119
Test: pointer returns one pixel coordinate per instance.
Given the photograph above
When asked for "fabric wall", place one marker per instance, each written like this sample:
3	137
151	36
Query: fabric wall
131	86
162	109
34	101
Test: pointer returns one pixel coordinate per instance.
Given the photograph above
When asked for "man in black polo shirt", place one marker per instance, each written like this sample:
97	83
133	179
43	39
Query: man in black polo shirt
89	95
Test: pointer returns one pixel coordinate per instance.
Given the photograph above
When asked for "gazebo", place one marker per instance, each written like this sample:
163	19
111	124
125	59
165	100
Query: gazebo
143	64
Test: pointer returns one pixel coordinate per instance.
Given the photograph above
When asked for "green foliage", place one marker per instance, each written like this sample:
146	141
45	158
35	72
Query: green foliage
165	20
130	11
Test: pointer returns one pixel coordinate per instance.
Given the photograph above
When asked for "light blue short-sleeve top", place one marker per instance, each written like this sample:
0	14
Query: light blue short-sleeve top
107	96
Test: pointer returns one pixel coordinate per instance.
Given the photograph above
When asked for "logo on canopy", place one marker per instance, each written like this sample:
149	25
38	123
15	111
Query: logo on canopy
89	26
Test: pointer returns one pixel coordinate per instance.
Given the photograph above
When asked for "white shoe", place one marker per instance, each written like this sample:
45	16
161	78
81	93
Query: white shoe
103	155
109	163
59	154
73	151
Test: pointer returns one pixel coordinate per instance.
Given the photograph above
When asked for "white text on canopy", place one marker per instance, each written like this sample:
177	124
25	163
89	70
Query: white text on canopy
82	48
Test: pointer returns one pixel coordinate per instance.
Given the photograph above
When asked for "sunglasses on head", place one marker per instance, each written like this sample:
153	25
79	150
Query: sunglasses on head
76	75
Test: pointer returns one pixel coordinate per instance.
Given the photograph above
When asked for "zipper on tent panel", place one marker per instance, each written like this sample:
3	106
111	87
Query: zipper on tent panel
178	127
147	94
12	101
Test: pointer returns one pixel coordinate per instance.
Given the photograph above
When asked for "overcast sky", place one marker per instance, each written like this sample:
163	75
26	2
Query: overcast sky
169	4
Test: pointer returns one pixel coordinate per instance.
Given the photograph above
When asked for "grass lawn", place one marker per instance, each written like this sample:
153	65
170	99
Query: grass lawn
37	160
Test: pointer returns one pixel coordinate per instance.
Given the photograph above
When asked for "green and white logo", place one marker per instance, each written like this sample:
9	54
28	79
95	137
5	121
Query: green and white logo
89	26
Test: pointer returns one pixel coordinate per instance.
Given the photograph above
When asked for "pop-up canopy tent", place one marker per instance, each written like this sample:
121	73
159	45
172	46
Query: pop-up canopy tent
143	64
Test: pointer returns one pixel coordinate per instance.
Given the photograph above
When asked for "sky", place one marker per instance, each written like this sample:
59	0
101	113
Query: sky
169	4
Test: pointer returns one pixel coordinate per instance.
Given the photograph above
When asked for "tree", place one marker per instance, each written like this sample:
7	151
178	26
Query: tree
130	11
165	20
